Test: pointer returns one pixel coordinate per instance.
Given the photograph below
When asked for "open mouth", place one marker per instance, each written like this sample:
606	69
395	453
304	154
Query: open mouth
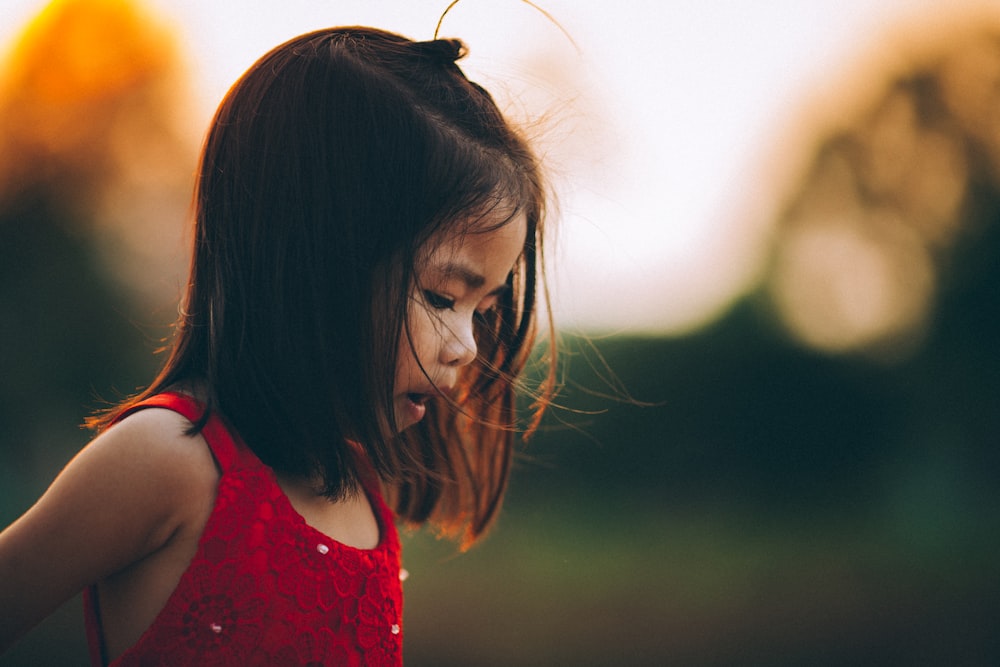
418	399
414	409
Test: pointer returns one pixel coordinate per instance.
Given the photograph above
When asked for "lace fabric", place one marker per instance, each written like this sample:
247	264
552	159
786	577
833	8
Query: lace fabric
264	587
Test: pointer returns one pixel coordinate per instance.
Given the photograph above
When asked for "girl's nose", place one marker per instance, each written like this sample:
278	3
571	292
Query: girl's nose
459	347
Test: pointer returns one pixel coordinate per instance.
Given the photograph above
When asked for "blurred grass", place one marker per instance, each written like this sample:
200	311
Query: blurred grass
579	584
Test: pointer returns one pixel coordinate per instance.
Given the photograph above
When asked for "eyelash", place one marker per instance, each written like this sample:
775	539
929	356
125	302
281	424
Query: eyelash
439	302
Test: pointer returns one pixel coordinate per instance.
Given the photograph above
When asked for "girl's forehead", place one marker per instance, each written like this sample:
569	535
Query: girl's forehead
504	238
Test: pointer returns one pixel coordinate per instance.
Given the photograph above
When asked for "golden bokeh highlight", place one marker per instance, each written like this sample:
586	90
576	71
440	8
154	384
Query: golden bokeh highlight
844	284
79	75
95	113
860	247
99	48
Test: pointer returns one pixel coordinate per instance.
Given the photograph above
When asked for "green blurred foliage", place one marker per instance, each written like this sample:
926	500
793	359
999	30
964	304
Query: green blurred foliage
68	342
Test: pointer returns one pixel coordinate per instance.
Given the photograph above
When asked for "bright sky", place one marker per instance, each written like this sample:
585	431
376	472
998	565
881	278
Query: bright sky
663	127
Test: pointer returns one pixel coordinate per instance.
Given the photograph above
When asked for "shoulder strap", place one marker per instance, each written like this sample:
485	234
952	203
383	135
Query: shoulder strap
92	623
224	448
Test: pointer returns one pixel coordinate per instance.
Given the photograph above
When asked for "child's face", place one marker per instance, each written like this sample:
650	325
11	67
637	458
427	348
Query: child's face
458	280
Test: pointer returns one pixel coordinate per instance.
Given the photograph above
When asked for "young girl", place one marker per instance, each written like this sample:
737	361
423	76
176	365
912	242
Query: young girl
362	299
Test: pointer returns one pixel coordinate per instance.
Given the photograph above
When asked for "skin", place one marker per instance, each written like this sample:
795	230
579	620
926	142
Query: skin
128	510
459	280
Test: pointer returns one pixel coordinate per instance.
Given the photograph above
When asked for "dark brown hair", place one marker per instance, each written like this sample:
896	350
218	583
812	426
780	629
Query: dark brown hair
328	166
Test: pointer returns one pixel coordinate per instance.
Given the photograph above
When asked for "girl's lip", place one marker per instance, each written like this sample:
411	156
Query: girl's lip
416	407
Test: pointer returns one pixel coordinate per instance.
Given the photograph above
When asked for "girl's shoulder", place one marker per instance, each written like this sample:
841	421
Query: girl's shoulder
134	487
151	449
155	432
147	471
129	493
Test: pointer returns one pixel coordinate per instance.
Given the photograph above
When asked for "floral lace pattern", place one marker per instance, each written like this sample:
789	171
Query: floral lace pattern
265	588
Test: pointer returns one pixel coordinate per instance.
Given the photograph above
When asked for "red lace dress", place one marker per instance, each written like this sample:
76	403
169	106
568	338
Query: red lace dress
264	587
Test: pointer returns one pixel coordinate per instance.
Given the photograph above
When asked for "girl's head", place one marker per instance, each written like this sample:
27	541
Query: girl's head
367	249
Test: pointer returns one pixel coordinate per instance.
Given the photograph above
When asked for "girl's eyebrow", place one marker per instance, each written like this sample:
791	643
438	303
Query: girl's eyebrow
469	276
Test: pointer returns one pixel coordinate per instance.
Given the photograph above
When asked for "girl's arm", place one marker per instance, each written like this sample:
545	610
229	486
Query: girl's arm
120	499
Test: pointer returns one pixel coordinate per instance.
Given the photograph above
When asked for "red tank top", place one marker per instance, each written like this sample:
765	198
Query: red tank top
264	587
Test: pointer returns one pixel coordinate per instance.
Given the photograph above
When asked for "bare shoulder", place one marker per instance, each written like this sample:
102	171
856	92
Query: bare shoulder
131	488
122	498
156	441
150	458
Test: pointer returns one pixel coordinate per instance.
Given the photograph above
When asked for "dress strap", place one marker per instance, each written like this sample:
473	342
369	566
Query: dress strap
96	648
224	448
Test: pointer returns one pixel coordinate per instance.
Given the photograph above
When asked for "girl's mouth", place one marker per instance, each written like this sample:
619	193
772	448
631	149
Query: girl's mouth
416	407
417	399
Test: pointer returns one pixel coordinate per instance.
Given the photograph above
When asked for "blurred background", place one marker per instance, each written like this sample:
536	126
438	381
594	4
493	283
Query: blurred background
776	281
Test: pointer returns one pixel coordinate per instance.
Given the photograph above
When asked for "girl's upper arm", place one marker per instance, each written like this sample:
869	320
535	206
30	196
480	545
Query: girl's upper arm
121	498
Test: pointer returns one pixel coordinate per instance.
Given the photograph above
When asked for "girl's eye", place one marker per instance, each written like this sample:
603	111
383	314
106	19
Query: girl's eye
438	302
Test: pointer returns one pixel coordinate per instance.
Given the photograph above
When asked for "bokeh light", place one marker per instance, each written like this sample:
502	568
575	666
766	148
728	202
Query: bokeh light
860	247
95	112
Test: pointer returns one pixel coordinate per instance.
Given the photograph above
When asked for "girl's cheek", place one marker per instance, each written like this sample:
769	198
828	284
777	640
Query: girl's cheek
424	330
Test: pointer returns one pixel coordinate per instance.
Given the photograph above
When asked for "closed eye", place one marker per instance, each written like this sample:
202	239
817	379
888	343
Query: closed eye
437	301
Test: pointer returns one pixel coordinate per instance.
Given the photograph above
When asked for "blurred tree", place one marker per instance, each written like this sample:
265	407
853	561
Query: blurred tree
891	199
95	162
